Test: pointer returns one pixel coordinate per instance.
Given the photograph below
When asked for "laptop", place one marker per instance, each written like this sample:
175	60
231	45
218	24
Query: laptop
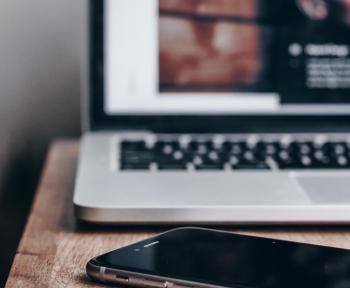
216	112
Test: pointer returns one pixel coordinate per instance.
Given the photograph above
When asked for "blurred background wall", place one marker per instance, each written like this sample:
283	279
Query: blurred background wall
39	100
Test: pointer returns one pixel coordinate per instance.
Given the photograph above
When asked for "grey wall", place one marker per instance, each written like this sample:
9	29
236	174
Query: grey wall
39	98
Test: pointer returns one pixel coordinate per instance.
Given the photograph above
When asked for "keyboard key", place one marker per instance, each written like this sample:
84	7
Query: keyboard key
178	155
130	166
210	166
251	166
133	145
172	165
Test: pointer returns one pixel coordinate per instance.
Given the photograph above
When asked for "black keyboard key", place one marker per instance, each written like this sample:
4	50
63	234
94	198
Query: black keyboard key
133	146
235	148
210	166
251	166
139	166
166	147
267	148
172	166
211	161
170	163
200	148
142	156
291	165
339	149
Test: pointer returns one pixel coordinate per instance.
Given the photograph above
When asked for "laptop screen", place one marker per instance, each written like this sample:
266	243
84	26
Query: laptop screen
227	57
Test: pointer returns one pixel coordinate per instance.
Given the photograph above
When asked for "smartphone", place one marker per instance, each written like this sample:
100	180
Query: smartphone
196	257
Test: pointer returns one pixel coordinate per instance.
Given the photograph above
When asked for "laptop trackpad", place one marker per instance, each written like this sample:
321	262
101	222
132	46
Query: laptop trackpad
326	189
203	189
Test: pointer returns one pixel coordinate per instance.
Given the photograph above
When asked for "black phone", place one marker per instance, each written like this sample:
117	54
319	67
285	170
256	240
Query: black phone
196	257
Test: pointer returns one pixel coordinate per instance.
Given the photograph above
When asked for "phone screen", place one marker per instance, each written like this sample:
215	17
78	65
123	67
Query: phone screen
231	260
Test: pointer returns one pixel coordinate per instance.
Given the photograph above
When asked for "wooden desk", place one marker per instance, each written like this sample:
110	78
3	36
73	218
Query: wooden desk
55	248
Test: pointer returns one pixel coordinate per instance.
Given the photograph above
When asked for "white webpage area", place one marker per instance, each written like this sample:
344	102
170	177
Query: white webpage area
131	63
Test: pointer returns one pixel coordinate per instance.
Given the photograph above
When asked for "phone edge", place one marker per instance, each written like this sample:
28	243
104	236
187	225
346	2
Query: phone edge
135	279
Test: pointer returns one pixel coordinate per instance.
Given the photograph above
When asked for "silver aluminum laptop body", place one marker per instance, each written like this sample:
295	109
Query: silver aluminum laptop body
106	194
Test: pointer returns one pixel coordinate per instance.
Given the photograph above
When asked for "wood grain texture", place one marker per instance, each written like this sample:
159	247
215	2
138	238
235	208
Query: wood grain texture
55	247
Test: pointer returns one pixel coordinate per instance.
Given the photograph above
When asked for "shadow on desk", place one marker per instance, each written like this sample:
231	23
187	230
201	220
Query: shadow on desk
18	190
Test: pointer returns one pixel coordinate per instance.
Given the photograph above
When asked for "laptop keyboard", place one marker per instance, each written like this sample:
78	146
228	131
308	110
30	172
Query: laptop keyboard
233	155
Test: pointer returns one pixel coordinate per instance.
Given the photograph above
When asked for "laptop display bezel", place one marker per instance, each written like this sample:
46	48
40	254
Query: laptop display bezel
99	120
